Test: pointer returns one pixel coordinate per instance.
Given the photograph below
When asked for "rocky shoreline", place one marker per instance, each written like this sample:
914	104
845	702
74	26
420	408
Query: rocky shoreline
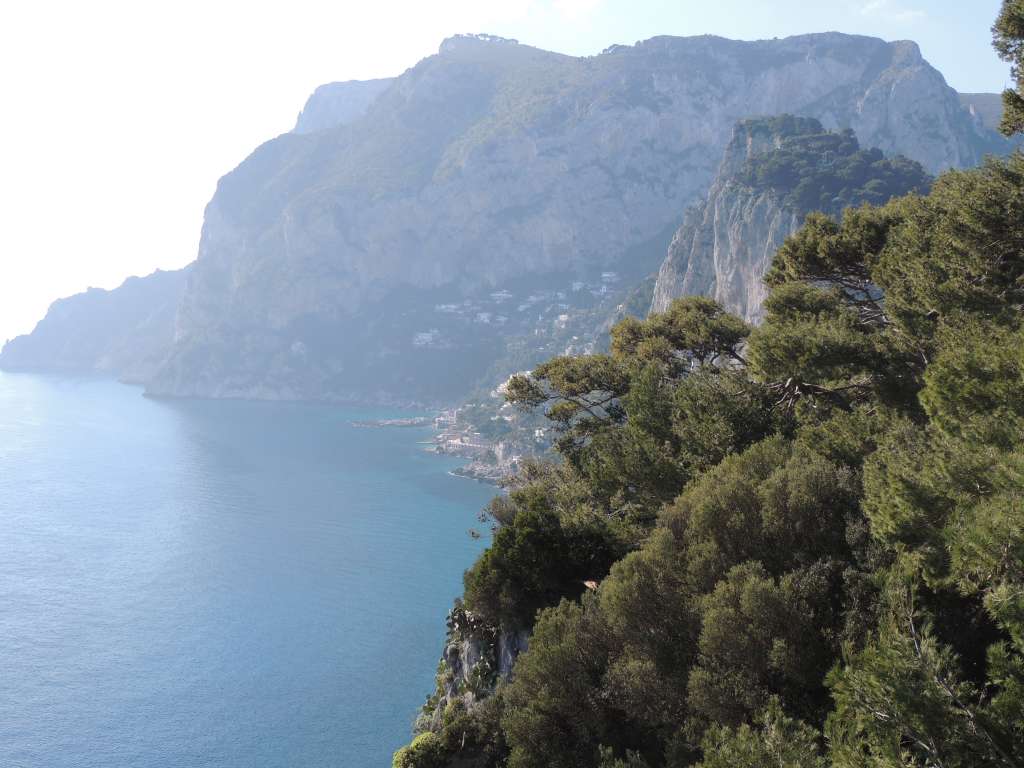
490	473
489	461
413	421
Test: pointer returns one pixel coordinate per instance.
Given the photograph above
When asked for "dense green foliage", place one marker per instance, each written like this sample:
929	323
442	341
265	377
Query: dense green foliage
808	536
1008	35
816	170
538	556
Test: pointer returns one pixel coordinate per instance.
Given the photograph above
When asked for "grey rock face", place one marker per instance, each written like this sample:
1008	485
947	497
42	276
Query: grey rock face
467	662
493	162
726	243
724	248
124	332
337	104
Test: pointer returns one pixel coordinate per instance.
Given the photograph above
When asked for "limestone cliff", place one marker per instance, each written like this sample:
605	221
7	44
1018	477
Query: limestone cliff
395	244
774	171
724	248
123	332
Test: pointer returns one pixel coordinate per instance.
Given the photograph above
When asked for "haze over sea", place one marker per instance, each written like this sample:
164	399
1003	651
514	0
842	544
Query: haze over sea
195	583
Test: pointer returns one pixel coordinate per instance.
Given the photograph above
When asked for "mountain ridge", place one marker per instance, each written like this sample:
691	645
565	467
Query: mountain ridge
492	162
490	168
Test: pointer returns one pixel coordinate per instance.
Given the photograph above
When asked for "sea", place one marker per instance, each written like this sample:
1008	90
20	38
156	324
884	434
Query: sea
189	583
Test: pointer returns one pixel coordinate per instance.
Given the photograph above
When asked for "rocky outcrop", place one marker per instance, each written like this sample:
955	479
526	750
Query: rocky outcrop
724	248
475	660
774	171
123	332
337	104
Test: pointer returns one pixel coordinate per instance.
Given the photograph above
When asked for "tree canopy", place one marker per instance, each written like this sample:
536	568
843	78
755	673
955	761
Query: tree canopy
812	169
1008	37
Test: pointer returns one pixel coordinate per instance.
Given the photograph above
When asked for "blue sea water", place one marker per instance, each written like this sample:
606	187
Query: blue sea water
229	584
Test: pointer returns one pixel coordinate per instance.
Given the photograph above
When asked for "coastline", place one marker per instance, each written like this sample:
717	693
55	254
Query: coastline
488	461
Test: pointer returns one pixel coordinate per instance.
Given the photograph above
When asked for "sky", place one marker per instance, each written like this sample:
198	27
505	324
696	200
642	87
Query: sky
119	116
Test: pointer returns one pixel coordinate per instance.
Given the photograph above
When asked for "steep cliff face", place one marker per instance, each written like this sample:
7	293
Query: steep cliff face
337	104
330	261
470	670
723	249
774	171
123	332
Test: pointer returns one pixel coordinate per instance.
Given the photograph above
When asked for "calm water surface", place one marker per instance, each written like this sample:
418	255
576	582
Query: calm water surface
190	583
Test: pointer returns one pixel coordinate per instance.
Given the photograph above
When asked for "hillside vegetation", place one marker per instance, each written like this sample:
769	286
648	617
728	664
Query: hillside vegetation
808	536
816	170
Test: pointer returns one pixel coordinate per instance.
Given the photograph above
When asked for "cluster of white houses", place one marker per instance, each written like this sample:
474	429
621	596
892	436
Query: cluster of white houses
499	308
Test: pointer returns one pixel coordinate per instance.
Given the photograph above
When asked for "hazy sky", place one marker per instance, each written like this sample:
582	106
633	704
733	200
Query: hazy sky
118	117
